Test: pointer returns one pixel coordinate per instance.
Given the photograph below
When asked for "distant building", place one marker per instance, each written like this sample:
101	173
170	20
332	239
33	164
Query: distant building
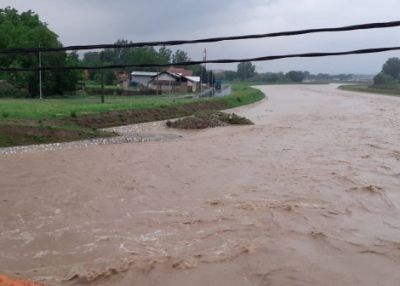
180	71
193	83
142	79
168	82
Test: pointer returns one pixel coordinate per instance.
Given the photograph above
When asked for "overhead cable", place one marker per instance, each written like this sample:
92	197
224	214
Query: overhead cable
217	61
206	40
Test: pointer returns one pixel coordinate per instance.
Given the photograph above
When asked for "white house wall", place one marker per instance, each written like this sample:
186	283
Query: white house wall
143	80
165	77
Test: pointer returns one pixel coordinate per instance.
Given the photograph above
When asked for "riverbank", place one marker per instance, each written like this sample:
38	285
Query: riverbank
388	90
26	122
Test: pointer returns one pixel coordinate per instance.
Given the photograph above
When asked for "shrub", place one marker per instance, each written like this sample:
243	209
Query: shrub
383	79
8	90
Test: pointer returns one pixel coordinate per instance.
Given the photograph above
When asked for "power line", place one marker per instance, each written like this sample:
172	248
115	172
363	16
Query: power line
206	40
217	61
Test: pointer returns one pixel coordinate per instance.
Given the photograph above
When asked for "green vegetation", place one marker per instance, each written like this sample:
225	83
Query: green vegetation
387	82
25	30
142	55
246	73
30	109
28	121
393	90
389	77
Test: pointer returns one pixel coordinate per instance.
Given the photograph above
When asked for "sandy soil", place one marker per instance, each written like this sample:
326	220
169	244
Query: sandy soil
310	195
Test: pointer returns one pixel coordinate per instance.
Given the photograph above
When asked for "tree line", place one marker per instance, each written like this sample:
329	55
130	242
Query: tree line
26	30
142	55
247	72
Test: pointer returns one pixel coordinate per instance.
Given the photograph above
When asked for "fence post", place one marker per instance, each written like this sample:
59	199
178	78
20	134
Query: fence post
40	75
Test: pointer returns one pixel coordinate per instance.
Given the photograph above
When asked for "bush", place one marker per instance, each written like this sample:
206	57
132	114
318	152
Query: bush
384	79
8	90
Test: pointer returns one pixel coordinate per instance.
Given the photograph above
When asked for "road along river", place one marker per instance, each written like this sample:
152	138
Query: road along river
310	195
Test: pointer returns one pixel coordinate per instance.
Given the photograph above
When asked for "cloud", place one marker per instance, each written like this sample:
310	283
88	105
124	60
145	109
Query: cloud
99	21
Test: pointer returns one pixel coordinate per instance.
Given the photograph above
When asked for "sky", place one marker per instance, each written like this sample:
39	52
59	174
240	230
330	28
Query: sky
104	21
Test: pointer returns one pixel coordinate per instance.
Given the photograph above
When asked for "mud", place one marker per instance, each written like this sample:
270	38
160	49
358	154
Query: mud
115	118
208	119
310	195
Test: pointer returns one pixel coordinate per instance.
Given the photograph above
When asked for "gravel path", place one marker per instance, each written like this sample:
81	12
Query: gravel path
145	132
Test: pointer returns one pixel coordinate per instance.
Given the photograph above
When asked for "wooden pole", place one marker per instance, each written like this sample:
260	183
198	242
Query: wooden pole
40	75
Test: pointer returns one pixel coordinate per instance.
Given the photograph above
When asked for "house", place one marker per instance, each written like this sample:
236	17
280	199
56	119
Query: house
193	83
180	71
142	79
168	82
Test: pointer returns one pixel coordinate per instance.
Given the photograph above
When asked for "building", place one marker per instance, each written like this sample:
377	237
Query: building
142	79
193	83
180	71
168	82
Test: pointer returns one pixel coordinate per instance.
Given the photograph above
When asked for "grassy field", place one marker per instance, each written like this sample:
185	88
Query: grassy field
393	90
31	121
77	105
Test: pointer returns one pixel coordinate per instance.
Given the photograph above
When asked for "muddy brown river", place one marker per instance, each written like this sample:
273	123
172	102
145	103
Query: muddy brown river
310	195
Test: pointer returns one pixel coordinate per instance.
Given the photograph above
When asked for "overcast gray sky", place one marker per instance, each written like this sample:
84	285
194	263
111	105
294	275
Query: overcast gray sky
104	21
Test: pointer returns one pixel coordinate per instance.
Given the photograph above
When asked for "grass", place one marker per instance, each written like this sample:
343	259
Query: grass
31	121
34	109
392	90
60	108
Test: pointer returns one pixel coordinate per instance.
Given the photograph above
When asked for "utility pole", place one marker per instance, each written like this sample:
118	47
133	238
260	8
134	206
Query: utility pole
40	75
102	77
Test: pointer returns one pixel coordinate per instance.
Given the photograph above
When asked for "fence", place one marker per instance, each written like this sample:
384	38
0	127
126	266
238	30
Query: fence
109	91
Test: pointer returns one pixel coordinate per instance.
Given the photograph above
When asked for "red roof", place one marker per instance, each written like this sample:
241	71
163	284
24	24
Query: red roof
180	71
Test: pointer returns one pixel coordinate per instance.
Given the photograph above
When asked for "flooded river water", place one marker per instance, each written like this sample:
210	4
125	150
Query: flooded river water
310	195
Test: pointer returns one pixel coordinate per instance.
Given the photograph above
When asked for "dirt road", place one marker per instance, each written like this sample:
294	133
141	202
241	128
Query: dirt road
310	195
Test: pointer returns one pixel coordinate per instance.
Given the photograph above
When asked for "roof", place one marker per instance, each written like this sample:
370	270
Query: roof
193	78
142	73
180	71
174	75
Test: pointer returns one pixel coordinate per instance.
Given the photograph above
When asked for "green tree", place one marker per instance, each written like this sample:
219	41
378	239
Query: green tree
383	79
295	76
117	56
230	75
180	56
164	55
25	30
246	70
392	68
